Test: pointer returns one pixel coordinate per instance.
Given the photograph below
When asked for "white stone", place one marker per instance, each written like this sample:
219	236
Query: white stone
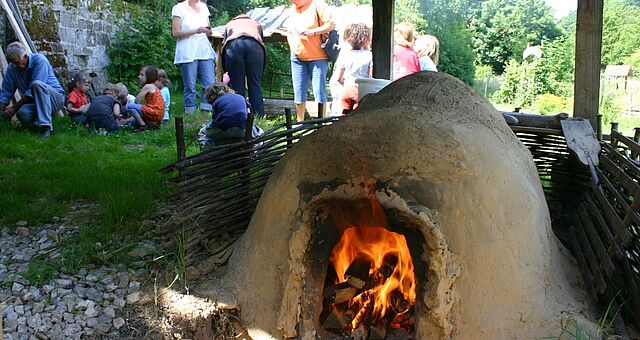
118	323
109	311
133	298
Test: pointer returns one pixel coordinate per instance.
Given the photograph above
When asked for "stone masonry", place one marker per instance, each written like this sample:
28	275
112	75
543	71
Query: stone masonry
73	34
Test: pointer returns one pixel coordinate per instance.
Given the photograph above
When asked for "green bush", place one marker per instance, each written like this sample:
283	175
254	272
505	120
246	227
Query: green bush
144	39
550	104
609	108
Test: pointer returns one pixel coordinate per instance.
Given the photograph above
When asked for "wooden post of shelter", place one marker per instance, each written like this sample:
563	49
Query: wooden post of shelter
588	59
383	14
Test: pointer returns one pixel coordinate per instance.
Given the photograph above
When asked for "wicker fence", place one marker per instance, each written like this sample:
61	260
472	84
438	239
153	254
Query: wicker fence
217	192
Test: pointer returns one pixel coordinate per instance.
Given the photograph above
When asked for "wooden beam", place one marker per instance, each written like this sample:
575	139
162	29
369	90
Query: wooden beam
383	14
588	59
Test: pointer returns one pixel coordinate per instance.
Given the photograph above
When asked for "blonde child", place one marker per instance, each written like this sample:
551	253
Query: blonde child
151	112
354	63
428	49
163	84
405	59
78	100
105	110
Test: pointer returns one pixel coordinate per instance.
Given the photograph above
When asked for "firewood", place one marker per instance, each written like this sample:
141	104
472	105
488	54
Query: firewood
379	330
358	272
340	293
360	333
364	314
389	263
336	319
398	303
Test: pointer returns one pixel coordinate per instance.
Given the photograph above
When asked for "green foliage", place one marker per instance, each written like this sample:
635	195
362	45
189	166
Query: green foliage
609	108
277	74
620	32
634	61
409	11
143	40
550	104
502	29
39	271
446	21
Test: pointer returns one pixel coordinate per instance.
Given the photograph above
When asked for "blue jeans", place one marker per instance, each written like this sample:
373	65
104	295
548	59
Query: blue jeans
244	59
206	69
47	101
301	71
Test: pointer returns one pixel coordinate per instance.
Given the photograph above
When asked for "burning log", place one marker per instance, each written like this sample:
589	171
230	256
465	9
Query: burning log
358	272
389	263
398	303
364	314
340	293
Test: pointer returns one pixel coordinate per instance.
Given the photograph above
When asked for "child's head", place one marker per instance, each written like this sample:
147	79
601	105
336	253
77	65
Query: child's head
123	92
163	79
403	34
358	35
110	90
216	90
81	82
148	75
428	45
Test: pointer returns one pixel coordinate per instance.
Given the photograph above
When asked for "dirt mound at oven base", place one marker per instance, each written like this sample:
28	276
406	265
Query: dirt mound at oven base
435	143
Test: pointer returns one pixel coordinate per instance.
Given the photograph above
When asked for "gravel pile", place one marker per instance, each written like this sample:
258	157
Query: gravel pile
89	303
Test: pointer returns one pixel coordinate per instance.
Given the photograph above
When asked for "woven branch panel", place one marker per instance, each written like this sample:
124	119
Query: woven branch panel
217	190
605	228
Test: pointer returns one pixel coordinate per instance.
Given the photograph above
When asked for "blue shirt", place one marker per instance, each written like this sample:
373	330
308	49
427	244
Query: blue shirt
229	110
38	68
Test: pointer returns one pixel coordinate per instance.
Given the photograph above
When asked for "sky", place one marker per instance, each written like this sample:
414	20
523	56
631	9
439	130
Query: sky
562	7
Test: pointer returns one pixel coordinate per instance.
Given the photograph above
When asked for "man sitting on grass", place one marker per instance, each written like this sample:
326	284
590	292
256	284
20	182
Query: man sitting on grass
42	95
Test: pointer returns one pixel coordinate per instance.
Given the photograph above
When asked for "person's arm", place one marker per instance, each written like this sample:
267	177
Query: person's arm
324	12
116	110
179	33
143	93
341	76
8	88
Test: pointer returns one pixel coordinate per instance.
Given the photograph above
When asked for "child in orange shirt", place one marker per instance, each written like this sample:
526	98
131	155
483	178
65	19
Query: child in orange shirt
151	112
78	101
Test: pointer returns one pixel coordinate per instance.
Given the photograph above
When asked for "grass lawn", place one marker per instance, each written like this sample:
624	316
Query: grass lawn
39	179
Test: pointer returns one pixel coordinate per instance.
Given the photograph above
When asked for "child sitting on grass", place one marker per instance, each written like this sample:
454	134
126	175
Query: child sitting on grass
78	101
124	98
151	112
163	84
228	116
105	110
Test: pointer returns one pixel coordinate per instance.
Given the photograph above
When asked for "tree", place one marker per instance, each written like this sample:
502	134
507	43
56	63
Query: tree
446	21
502	29
620	32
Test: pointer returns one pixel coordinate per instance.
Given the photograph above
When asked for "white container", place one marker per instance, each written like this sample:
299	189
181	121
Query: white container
370	85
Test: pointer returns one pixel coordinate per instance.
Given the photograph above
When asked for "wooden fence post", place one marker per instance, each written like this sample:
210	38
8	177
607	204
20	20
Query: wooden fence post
181	149
287	118
636	138
599	127
614	140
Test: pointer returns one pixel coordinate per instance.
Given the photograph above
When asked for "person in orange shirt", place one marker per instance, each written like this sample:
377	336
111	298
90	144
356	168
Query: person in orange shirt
151	112
309	19
78	101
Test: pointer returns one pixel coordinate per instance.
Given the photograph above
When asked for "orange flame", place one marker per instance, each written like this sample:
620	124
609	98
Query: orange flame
378	244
